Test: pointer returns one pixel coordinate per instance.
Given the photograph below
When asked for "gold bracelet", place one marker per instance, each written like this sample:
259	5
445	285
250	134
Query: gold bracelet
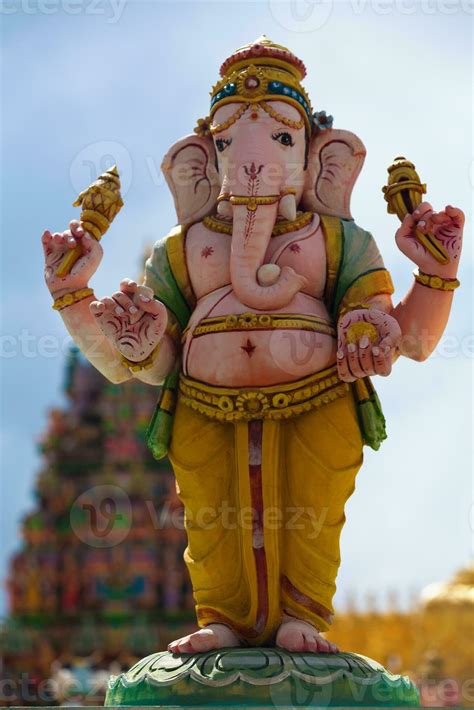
143	364
437	282
69	298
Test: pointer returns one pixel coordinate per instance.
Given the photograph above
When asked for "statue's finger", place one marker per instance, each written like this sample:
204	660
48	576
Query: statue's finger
365	355
58	238
69	239
456	215
125	302
353	359
128	285
383	363
112	306
97	308
145	291
46	237
423	209
343	367
76	228
152	306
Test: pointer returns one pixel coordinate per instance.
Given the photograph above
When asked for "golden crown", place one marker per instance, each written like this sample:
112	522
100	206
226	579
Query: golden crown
262	71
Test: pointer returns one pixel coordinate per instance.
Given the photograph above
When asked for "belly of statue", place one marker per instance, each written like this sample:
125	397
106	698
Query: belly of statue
229	346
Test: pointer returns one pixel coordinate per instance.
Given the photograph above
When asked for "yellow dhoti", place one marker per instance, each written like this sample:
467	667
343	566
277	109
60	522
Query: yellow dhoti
264	477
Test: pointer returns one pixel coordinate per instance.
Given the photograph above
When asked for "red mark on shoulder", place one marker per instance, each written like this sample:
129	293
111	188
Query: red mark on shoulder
295	247
207	251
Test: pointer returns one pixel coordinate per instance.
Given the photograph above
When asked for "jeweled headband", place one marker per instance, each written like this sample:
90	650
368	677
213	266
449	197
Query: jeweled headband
259	72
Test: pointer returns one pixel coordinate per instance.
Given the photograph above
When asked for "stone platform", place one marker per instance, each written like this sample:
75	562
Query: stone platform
259	678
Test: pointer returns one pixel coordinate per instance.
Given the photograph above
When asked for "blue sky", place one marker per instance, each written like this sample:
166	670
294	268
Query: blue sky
85	80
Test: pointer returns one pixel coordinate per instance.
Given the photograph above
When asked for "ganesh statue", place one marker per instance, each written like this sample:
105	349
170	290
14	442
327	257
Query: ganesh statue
263	316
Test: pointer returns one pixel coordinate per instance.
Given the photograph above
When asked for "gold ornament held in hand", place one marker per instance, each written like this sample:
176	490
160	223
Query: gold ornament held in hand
100	202
403	193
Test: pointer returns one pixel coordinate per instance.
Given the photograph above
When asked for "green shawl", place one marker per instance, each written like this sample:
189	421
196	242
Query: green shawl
355	272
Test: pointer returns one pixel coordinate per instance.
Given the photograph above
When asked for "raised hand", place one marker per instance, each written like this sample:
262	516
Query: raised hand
56	245
447	226
132	319
367	343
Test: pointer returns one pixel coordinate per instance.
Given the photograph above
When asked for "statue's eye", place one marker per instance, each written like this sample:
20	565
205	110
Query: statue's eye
283	137
222	143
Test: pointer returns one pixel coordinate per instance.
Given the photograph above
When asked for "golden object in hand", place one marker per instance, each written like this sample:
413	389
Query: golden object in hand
358	330
403	193
100	202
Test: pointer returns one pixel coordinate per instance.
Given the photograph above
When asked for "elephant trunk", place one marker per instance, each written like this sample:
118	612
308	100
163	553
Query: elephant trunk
251	233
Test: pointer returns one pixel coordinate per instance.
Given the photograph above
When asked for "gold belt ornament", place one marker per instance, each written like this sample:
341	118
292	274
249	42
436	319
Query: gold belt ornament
275	402
262	321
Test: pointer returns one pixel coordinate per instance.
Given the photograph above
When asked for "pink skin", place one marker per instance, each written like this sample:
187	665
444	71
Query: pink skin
255	161
134	331
423	314
56	245
296	635
355	360
415	325
132	319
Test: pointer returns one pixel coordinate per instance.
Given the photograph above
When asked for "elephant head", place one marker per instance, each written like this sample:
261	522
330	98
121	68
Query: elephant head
259	158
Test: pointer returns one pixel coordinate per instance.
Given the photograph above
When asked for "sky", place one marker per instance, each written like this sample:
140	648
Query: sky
86	83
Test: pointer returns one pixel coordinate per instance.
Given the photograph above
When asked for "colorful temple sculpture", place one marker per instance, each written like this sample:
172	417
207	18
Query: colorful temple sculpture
100	565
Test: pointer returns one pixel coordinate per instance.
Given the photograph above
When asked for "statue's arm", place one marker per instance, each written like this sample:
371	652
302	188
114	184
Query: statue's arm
423	313
413	327
92	342
76	314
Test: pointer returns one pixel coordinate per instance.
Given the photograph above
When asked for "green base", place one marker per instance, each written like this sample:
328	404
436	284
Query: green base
260	678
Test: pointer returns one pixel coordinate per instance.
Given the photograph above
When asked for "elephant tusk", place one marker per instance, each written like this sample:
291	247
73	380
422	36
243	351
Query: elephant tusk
287	207
224	208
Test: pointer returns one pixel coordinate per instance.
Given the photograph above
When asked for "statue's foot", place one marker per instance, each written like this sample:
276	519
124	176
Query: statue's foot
212	636
296	635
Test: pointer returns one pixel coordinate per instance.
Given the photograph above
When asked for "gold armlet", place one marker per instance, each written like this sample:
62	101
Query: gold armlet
69	298
437	282
143	364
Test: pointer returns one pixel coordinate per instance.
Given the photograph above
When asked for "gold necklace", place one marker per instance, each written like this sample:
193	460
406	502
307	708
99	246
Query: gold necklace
283	227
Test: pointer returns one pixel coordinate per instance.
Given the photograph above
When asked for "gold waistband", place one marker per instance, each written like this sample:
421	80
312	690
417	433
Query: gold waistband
275	402
262	321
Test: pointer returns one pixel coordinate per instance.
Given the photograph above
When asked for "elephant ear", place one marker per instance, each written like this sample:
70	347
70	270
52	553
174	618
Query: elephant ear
334	162
190	171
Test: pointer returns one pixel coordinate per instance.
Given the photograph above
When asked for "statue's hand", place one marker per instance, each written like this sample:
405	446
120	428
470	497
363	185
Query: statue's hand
446	226
367	343
132	319
56	245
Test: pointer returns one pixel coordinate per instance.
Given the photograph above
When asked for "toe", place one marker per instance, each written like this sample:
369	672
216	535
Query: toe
203	640
323	645
292	640
310	643
185	647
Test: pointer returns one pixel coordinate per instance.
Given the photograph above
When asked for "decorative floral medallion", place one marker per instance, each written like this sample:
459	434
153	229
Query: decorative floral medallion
252	402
